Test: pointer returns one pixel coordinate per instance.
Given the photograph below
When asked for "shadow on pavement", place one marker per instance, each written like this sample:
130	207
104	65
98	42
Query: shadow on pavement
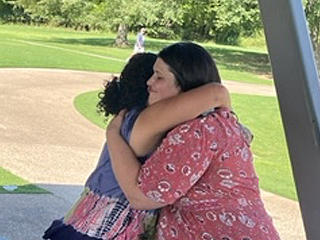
26	216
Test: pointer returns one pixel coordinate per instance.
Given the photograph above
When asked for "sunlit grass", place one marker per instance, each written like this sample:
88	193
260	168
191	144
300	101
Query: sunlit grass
45	47
10	183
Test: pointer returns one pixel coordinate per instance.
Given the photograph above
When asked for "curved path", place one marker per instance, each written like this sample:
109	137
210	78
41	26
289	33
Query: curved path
46	141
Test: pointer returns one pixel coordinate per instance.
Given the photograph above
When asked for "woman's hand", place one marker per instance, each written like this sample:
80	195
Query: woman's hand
115	124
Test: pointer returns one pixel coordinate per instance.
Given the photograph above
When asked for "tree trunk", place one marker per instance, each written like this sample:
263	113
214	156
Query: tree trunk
122	36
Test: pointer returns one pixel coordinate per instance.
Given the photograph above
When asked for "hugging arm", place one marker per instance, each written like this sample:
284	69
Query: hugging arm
126	166
163	178
148	131
162	116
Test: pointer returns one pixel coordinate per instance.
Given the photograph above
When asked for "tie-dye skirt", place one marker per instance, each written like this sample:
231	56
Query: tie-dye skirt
101	217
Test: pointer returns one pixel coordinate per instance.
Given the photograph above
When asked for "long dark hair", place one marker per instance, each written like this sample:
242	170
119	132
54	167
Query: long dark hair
191	64
129	89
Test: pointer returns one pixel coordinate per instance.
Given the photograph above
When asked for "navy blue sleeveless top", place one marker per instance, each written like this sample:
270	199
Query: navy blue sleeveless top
102	180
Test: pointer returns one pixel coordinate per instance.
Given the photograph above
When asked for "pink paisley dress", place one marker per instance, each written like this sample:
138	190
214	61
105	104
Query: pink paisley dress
204	172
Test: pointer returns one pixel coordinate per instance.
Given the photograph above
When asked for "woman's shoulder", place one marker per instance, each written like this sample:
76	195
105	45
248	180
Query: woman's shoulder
223	112
221	115
230	120
217	121
214	120
129	121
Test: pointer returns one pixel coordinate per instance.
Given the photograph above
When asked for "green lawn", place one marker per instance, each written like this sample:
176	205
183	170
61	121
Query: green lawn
10	183
261	115
44	47
86	103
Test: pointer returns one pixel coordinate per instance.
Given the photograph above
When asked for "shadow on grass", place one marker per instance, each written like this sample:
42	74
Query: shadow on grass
22	189
153	45
98	42
241	60
231	58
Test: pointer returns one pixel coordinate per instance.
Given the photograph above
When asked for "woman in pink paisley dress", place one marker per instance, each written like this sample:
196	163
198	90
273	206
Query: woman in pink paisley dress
202	175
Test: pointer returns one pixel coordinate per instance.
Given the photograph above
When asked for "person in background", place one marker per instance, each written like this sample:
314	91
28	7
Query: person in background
201	176
139	46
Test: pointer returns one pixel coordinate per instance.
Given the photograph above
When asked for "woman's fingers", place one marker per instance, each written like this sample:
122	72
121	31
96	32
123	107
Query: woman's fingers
122	113
116	122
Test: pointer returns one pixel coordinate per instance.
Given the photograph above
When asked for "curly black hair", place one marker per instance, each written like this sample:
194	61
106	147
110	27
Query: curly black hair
130	88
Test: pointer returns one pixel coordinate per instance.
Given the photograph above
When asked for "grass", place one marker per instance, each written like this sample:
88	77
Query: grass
257	42
17	184
86	103
38	47
44	47
261	115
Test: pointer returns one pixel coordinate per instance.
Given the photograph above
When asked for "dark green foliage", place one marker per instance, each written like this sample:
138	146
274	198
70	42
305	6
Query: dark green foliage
205	20
5	10
312	9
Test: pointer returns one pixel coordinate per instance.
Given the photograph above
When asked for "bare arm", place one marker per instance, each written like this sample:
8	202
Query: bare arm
160	117
126	166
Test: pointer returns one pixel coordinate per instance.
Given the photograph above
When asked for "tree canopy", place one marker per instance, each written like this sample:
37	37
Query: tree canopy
220	21
312	10
216	20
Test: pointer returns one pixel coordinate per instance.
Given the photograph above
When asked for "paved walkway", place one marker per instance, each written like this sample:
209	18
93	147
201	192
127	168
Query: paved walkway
46	141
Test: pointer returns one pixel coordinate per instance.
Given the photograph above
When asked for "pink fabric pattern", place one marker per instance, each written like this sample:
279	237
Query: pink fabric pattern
109	218
204	172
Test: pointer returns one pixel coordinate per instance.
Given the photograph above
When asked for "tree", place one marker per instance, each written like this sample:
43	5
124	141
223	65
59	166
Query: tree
205	20
14	12
312	10
235	18
219	20
5	10
122	35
